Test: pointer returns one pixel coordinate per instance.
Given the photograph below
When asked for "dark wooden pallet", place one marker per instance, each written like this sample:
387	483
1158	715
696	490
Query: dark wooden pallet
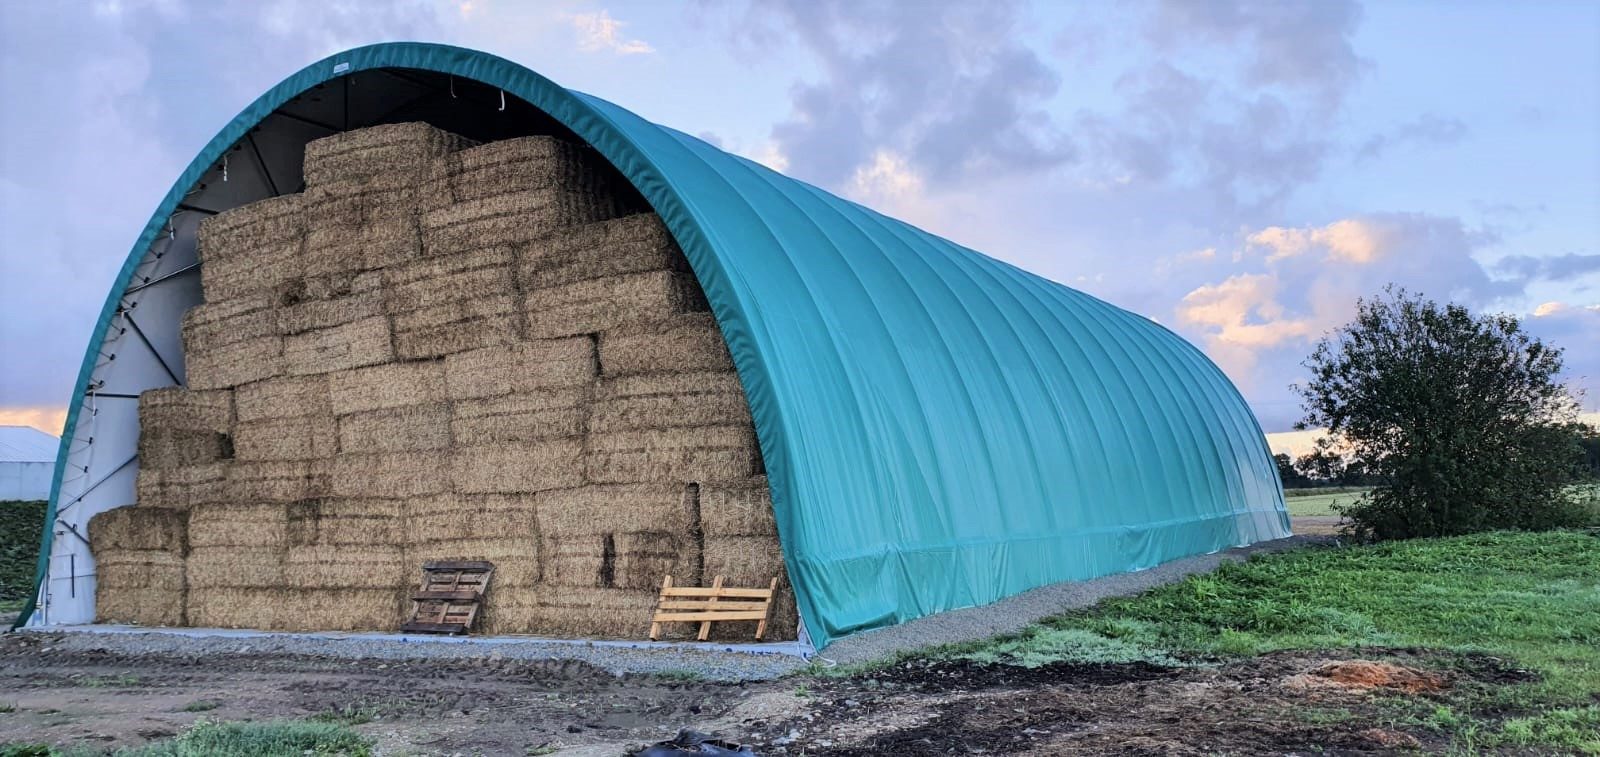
450	596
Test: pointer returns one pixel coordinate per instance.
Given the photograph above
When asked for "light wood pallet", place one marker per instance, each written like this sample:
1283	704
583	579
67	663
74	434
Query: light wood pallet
707	605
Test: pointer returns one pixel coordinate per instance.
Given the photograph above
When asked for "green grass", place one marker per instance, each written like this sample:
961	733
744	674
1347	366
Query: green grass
21	524
1534	598
1304	502
277	738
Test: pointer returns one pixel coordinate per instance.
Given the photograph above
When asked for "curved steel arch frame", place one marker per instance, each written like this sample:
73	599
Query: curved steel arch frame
940	429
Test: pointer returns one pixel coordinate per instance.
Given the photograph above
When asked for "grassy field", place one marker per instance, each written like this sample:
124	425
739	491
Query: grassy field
1534	598
209	739
1310	502
20	524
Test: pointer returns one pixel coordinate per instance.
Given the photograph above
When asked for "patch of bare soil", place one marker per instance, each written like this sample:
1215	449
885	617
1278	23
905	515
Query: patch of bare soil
921	707
1260	706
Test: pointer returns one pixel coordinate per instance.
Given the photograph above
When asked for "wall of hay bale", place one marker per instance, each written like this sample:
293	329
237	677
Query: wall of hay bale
441	350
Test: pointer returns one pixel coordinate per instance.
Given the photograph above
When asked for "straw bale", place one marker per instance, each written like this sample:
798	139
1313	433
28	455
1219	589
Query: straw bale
285	397
260	265
374	244
611	508
320	566
737	508
234	364
592	305
516	559
125	529
669	410
310	314
522	367
144	588
414	427
647	384
530	416
457	517
330	286
631	244
688	343
278	480
430	282
261	525
352	345
177	407
168	447
388	385
510	218
303	438
237	566
273	218
630	560
703	453
459	326
509	165
752	561
214	324
579	612
389	474
517	468
183	487
120	570
340	522
282	609
408	148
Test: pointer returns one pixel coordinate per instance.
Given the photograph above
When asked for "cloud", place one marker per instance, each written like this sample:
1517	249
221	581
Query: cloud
1345	241
47	419
1576	329
598	31
1548	267
948	86
1427	129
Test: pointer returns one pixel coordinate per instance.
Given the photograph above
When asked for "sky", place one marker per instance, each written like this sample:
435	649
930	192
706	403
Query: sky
1241	172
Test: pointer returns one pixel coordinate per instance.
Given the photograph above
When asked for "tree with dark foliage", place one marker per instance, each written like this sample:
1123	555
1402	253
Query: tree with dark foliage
1291	478
1459	418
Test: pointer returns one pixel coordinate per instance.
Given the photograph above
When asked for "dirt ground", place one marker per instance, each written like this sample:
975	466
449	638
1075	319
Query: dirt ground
1276	704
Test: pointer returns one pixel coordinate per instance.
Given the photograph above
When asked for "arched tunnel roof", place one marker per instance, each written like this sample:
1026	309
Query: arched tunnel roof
940	429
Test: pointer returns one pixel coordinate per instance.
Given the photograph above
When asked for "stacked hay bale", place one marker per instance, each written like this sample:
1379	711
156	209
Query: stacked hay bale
441	351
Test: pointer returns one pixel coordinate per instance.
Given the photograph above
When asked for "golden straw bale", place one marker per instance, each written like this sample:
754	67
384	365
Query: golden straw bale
130	529
376	243
262	525
283	397
703	453
435	281
389	474
579	612
389	385
632	244
214	324
251	249
282	609
458	326
414	427
752	561
337	522
278	480
537	364
278	217
182	487
516	468
509	165
688	343
303	438
510	218
233	364
300	312
177	407
169	447
610	302
737	508
211	567
144	587
319	566
406	149
606	508
352	345
524	417
668	410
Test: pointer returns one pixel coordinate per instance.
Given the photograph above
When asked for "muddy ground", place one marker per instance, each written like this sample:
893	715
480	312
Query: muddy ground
1277	704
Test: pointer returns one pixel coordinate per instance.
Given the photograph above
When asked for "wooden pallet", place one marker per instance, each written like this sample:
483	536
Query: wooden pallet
451	594
707	605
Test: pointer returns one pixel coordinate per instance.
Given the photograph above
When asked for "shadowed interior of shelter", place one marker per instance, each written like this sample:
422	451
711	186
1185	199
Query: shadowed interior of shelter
442	349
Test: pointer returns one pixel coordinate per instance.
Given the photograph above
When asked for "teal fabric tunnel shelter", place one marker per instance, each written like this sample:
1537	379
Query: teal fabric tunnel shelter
940	429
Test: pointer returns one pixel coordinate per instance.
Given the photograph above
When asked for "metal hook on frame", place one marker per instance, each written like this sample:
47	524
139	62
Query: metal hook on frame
224	166
452	87
502	99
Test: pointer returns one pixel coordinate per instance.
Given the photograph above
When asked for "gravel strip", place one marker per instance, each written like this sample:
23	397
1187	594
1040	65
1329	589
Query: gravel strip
712	664
1014	613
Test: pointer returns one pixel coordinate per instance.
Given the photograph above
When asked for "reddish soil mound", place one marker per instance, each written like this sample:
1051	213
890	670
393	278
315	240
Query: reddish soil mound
1366	674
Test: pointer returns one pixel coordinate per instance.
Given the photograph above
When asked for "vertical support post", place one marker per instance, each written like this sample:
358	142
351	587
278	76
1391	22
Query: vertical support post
716	591
655	627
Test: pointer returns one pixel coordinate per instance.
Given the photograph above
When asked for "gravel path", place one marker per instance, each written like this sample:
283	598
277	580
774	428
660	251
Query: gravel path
709	662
